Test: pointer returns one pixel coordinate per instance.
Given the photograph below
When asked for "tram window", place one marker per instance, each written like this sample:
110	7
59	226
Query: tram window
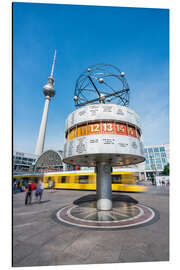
45	180
58	179
63	179
83	179
35	180
116	179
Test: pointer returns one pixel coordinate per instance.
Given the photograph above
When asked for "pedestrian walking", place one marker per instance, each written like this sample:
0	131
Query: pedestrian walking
14	187
41	190
18	187
38	191
49	184
52	185
28	196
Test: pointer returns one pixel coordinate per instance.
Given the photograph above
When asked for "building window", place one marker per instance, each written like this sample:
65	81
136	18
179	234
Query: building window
147	161
157	155
163	154
158	160
164	160
156	149
159	166
151	156
146	155
145	150
152	162
162	149
150	150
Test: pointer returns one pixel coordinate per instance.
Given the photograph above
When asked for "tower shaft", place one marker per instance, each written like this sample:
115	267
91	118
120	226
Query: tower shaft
42	131
49	93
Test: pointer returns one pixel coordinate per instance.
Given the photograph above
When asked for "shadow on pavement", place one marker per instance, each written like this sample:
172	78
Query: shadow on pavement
92	197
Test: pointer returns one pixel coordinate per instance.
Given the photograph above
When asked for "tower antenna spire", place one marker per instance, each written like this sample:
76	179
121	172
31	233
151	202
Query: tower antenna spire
49	93
52	70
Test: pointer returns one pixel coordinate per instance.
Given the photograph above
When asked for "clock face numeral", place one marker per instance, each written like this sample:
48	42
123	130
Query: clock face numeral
131	131
108	128
103	128
94	129
121	129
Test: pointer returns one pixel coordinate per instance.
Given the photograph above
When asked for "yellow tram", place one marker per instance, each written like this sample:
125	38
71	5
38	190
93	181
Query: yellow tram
83	180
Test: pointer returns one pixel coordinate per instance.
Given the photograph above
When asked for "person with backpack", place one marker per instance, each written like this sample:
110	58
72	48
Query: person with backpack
28	196
33	186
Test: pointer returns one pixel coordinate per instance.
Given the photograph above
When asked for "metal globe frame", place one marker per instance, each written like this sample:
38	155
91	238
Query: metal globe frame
101	83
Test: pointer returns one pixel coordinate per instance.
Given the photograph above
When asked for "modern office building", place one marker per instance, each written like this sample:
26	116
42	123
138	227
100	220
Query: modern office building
23	162
157	156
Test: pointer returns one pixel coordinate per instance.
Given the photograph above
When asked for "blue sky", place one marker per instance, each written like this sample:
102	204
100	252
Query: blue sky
136	40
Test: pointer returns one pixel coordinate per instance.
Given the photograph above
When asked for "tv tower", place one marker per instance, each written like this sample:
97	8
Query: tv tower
49	92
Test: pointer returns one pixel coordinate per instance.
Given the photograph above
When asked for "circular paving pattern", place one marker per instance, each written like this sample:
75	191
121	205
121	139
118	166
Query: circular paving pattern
123	215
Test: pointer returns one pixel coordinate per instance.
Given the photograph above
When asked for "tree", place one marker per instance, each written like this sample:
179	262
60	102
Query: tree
166	169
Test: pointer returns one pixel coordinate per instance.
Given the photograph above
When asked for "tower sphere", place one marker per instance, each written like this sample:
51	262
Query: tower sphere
48	89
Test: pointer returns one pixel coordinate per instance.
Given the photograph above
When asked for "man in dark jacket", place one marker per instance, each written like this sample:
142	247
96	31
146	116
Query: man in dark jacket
28	196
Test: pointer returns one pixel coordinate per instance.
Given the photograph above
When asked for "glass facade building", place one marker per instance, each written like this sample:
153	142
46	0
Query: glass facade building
23	161
157	156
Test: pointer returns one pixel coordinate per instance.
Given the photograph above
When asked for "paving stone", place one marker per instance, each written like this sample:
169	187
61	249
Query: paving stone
40	240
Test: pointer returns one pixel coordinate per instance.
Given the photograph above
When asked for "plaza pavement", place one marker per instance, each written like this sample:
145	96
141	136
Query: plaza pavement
40	240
